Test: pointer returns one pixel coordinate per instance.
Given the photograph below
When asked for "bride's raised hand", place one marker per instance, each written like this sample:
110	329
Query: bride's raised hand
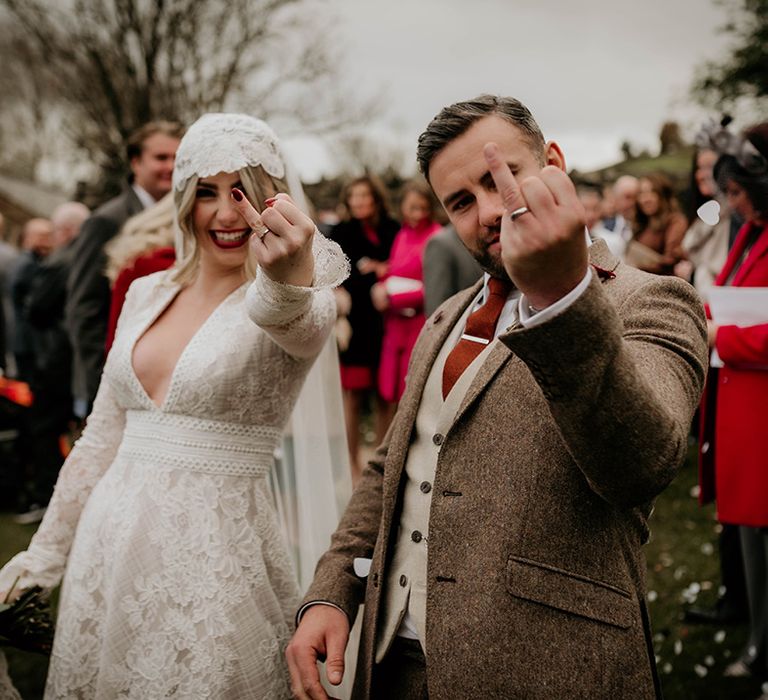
282	238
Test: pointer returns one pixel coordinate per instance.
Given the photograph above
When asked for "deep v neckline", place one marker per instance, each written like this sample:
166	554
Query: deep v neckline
151	322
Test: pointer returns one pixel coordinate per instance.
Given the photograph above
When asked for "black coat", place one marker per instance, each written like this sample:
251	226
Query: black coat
367	326
88	295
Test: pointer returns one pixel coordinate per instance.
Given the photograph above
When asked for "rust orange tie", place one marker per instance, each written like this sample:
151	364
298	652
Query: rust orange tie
478	332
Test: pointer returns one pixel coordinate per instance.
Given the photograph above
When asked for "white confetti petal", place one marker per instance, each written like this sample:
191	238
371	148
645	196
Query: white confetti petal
706	585
709	212
695	491
658	637
727	653
652	596
720	636
708	549
666	668
764	688
709	661
678	648
701	671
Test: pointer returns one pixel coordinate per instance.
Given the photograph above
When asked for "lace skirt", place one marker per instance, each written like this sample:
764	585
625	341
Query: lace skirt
180	583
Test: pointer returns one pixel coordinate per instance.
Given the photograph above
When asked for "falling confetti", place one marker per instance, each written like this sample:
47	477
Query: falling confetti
678	648
708	549
695	491
652	596
709	661
709	212
701	671
720	636
666	668
706	585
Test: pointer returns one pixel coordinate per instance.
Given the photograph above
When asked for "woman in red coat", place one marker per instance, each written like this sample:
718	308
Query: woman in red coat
741	401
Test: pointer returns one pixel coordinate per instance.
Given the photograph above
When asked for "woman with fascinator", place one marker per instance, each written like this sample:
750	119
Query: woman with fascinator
736	409
180	581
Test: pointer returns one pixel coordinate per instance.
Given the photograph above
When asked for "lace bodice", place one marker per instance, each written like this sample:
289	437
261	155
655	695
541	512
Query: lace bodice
179	577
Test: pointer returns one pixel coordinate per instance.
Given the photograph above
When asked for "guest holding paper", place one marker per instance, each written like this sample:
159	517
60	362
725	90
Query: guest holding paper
740	402
400	296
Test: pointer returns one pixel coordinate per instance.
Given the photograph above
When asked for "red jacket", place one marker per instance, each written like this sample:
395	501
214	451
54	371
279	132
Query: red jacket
740	402
154	261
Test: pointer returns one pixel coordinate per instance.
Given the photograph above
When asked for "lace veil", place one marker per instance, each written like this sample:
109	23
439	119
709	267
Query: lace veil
311	477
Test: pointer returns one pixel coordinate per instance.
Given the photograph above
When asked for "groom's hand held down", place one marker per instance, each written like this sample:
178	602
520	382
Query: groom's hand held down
321	635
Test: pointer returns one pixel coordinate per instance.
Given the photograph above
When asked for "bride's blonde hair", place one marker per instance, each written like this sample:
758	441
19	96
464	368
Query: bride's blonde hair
258	186
146	231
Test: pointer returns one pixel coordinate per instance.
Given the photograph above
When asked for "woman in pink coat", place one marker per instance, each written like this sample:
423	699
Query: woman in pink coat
741	386
400	295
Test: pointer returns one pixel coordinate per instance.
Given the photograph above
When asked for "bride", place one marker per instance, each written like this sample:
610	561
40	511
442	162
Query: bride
179	581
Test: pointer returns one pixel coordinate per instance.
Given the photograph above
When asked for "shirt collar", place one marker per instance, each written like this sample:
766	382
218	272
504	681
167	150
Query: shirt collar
146	199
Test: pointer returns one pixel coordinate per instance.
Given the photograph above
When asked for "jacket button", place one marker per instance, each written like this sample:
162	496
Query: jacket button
425	487
416	536
437	438
403	580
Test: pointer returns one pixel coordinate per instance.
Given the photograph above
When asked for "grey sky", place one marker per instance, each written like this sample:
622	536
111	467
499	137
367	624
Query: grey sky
593	72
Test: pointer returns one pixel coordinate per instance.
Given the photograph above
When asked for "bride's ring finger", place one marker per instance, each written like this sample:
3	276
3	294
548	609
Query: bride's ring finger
261	232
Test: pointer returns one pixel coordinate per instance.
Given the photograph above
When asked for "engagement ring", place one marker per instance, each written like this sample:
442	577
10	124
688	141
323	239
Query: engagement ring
518	213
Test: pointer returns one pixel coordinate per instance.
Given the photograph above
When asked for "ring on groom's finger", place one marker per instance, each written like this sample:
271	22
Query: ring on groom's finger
518	213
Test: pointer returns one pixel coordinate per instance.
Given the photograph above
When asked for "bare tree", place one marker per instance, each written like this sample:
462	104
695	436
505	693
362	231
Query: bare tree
108	66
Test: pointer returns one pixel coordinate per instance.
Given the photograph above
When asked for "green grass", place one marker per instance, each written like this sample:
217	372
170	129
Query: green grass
682	551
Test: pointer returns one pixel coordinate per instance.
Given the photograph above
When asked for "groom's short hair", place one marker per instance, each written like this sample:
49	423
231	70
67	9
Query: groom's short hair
454	120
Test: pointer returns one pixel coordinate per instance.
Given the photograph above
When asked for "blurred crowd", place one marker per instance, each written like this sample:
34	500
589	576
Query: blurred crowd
63	284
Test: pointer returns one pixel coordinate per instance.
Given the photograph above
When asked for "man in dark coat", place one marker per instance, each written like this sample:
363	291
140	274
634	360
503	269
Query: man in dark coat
151	153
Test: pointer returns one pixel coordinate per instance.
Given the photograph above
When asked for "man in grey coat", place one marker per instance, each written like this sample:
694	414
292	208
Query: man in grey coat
545	409
151	154
448	268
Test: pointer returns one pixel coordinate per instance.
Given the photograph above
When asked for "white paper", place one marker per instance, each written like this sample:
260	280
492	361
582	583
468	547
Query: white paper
401	285
737	306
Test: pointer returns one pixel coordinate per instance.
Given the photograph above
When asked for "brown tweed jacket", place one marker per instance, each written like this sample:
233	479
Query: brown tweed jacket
543	487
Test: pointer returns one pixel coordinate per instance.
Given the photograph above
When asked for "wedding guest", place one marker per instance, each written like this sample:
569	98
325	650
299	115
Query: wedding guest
400	295
737	440
150	150
47	421
705	245
496	537
36	244
366	236
591	200
448	268
178	578
625	205
143	246
659	227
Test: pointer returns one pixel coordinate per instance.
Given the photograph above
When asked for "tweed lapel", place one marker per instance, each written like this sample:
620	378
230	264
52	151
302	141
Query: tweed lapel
604	264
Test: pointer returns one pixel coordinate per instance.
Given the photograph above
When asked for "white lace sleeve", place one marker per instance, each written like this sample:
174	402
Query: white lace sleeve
44	561
300	318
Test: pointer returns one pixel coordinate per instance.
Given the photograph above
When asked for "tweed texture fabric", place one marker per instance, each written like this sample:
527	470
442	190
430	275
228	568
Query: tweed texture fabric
543	487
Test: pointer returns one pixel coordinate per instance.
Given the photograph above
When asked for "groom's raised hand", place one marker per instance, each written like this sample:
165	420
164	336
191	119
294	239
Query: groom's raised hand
321	636
544	250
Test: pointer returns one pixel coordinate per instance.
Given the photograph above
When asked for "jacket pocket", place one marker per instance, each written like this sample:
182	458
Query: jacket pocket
572	593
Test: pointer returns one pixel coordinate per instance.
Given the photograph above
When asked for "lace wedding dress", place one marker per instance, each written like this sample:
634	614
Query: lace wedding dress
179	582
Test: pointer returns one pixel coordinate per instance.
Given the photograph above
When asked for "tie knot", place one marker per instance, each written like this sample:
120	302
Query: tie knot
499	287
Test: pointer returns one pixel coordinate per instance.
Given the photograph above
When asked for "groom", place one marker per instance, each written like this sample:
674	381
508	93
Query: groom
506	510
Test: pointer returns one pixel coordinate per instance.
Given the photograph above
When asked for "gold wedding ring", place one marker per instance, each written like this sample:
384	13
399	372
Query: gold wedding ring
518	213
261	232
